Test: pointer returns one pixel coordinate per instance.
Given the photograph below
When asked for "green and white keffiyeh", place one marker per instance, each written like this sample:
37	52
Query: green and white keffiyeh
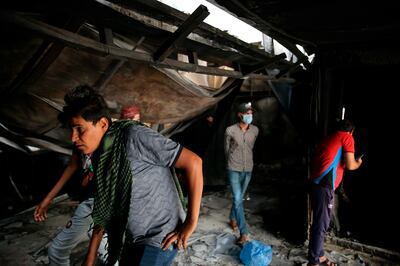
113	187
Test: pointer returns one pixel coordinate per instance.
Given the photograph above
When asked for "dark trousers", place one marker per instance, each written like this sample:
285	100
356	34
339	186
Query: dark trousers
322	203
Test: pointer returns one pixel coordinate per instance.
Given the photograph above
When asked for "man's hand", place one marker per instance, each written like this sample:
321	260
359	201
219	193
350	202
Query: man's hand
40	213
191	163
180	237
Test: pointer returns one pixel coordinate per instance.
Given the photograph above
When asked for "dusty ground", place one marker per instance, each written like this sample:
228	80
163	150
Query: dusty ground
24	242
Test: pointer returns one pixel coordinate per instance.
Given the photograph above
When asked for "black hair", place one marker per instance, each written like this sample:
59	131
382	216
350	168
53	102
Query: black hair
84	101
345	125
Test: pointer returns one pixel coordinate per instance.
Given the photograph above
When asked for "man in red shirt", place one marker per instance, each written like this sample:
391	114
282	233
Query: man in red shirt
332	155
130	112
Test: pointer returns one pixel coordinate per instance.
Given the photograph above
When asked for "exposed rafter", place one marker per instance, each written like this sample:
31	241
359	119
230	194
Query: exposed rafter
263	65
281	36
167	14
42	59
184	30
92	46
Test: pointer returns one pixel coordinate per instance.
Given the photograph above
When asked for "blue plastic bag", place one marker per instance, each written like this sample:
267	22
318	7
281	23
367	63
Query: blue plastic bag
256	253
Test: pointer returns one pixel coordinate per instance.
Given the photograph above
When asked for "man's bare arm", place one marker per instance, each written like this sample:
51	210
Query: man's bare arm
193	167
350	162
40	213
95	240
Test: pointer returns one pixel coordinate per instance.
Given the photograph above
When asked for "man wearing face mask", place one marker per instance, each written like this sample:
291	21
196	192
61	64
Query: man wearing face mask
239	142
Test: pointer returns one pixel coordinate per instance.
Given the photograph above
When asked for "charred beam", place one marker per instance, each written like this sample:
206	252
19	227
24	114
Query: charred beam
280	35
238	67
92	46
112	68
263	65
181	33
46	54
138	43
106	35
105	78
193	59
292	68
268	77
375	251
167	14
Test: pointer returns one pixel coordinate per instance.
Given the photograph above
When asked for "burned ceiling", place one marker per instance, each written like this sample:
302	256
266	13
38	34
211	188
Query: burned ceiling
129	49
365	28
126	50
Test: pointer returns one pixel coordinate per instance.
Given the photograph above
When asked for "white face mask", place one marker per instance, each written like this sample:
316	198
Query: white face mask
247	118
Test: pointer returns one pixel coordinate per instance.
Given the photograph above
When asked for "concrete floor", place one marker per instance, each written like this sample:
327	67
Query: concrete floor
24	242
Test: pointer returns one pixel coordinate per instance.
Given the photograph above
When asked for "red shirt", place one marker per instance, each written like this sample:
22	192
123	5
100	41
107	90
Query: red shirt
328	156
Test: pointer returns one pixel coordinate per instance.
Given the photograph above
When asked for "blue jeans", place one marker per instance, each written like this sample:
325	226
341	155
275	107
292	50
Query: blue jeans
239	182
76	230
146	255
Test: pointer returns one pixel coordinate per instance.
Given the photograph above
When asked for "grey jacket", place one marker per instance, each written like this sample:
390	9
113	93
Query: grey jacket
239	147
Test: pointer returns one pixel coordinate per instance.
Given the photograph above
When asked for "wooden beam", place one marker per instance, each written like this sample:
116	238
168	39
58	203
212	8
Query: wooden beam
92	46
106	77
238	67
263	65
46	54
280	35
268	77
138	43
293	67
193	59
164	13
28	68
113	67
181	33
106	35
372	250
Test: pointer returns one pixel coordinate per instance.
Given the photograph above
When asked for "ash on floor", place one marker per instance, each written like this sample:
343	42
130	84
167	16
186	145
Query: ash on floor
24	242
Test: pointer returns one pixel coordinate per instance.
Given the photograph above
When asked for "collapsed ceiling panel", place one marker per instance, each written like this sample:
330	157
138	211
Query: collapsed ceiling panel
106	47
